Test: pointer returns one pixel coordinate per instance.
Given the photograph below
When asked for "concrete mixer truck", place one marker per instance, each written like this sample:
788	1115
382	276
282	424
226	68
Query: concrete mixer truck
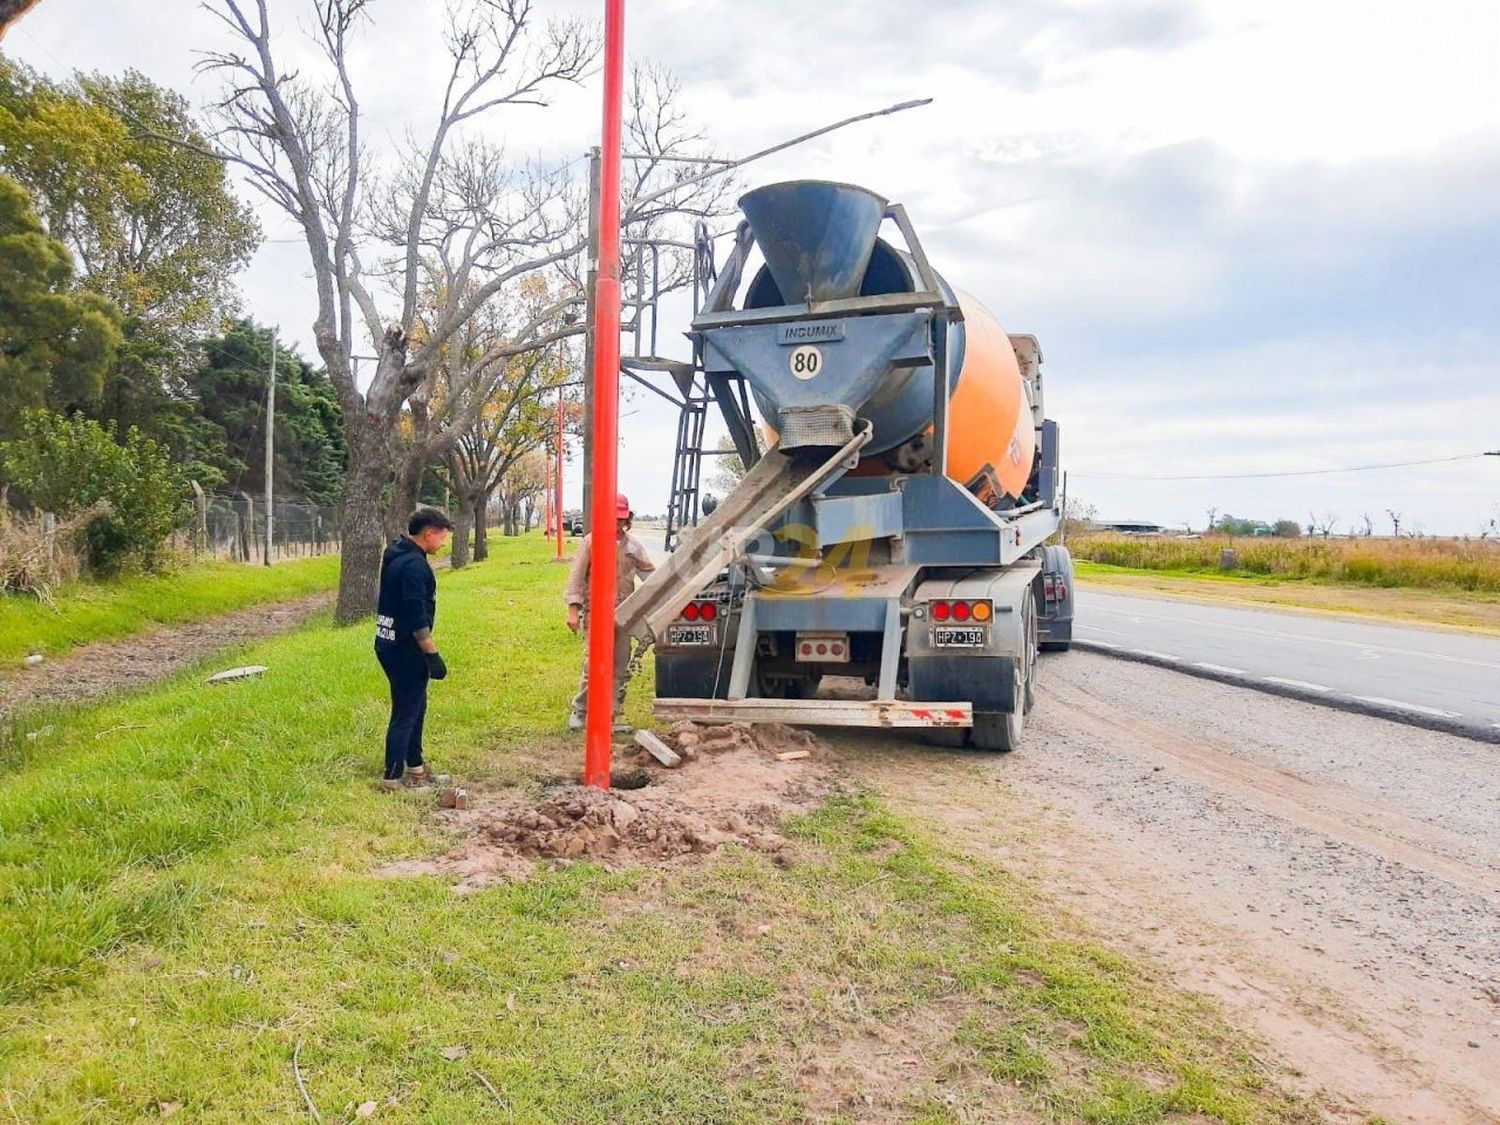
885	562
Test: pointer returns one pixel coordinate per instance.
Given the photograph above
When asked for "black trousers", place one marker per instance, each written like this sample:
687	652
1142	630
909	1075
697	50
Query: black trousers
406	669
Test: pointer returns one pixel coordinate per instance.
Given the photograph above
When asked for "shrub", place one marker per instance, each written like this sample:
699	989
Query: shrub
72	465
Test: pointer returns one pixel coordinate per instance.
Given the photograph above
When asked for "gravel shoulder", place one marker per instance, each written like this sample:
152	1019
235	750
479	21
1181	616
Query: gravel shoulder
1333	880
94	671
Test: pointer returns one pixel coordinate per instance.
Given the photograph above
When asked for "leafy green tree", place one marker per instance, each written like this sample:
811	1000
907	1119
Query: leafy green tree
55	343
230	385
121	174
70	464
1286	529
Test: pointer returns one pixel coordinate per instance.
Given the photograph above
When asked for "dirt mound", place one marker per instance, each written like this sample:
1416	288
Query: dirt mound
731	789
579	822
690	739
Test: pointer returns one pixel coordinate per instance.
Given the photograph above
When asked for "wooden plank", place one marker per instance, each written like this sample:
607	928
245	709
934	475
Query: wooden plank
658	749
793	755
818	712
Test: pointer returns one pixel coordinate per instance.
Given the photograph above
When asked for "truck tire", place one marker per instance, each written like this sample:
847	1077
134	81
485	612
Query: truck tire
1003	730
1058	631
997	730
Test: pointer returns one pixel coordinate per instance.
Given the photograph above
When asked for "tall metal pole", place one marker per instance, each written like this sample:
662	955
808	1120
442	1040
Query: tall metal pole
270	450
591	282
557	476
606	402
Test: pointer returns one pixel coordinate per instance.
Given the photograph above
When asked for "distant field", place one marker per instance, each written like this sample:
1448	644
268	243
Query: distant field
1429	564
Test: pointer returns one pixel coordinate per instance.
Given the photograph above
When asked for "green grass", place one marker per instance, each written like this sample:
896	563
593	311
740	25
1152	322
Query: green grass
187	892
98	611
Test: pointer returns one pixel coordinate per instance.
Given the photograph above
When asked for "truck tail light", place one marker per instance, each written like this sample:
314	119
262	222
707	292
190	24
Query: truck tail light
957	609
954	609
690	611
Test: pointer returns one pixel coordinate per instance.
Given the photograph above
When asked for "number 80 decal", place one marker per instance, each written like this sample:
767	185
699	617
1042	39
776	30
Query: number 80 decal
805	362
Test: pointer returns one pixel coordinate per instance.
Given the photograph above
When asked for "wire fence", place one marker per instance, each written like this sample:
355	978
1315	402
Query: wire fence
234	527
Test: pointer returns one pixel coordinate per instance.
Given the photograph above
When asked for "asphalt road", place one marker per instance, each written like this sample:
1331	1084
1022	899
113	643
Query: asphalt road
1427	676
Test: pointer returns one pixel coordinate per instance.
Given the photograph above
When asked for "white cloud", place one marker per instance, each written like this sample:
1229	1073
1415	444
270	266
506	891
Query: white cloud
1251	234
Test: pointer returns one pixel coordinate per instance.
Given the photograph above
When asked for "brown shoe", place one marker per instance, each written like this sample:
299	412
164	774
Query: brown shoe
418	777
390	785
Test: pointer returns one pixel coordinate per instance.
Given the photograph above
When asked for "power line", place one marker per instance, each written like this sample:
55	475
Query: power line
1289	473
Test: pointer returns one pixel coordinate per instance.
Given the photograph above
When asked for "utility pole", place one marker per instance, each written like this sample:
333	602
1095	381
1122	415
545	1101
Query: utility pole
270	449
589	343
605	376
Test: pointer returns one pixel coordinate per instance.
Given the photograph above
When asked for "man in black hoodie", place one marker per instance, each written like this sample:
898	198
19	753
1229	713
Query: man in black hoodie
403	640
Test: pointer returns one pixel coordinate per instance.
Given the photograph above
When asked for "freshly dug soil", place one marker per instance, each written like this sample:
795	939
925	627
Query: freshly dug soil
731	788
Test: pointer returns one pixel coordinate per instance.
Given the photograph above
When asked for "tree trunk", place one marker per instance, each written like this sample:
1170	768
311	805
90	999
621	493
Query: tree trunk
407	491
481	529
463	523
364	523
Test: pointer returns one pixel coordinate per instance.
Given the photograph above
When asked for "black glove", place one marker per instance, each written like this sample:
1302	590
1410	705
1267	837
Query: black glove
436	669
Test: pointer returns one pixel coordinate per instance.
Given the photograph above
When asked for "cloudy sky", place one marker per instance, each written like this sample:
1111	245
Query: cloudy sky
1253	237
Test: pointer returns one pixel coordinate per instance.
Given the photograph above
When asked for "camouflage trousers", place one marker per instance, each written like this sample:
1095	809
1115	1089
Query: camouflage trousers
629	652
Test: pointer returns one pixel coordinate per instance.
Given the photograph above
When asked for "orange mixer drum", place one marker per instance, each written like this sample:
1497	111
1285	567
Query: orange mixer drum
991	435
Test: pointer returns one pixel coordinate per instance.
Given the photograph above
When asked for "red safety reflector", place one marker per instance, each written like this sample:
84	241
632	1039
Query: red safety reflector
837	649
709	611
960	611
690	611
822	650
806	649
940	611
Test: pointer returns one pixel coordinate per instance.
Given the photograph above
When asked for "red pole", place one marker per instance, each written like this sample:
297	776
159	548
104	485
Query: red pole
557	476
602	573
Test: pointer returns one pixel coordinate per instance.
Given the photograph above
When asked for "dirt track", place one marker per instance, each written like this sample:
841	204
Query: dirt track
94	671
1332	879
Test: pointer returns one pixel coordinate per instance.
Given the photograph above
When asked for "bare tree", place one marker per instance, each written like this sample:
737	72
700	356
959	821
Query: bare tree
299	138
11	11
540	310
1489	526
473	373
1213	519
1395	517
1369	524
1325	524
458	219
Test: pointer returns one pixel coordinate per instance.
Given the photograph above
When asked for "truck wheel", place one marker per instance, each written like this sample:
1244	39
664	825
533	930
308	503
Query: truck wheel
997	730
1032	648
1002	730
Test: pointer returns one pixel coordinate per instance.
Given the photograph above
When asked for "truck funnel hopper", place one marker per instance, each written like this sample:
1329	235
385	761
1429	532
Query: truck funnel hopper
816	236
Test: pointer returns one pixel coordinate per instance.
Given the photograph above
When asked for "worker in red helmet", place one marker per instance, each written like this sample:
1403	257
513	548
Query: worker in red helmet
631	560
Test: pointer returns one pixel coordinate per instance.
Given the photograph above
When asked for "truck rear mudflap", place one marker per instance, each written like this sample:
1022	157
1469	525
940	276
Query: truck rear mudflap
818	712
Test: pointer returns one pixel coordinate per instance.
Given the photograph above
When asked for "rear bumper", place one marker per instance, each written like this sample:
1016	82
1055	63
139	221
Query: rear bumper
818	712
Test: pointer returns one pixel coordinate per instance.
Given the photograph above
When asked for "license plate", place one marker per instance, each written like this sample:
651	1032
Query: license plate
955	636
690	634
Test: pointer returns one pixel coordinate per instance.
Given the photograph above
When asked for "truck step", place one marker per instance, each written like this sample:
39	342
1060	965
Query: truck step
818	712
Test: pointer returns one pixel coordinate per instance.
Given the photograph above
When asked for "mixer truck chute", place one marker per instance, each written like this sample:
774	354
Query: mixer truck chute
895	531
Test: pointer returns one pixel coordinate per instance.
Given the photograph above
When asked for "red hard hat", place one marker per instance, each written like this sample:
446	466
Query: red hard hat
622	507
